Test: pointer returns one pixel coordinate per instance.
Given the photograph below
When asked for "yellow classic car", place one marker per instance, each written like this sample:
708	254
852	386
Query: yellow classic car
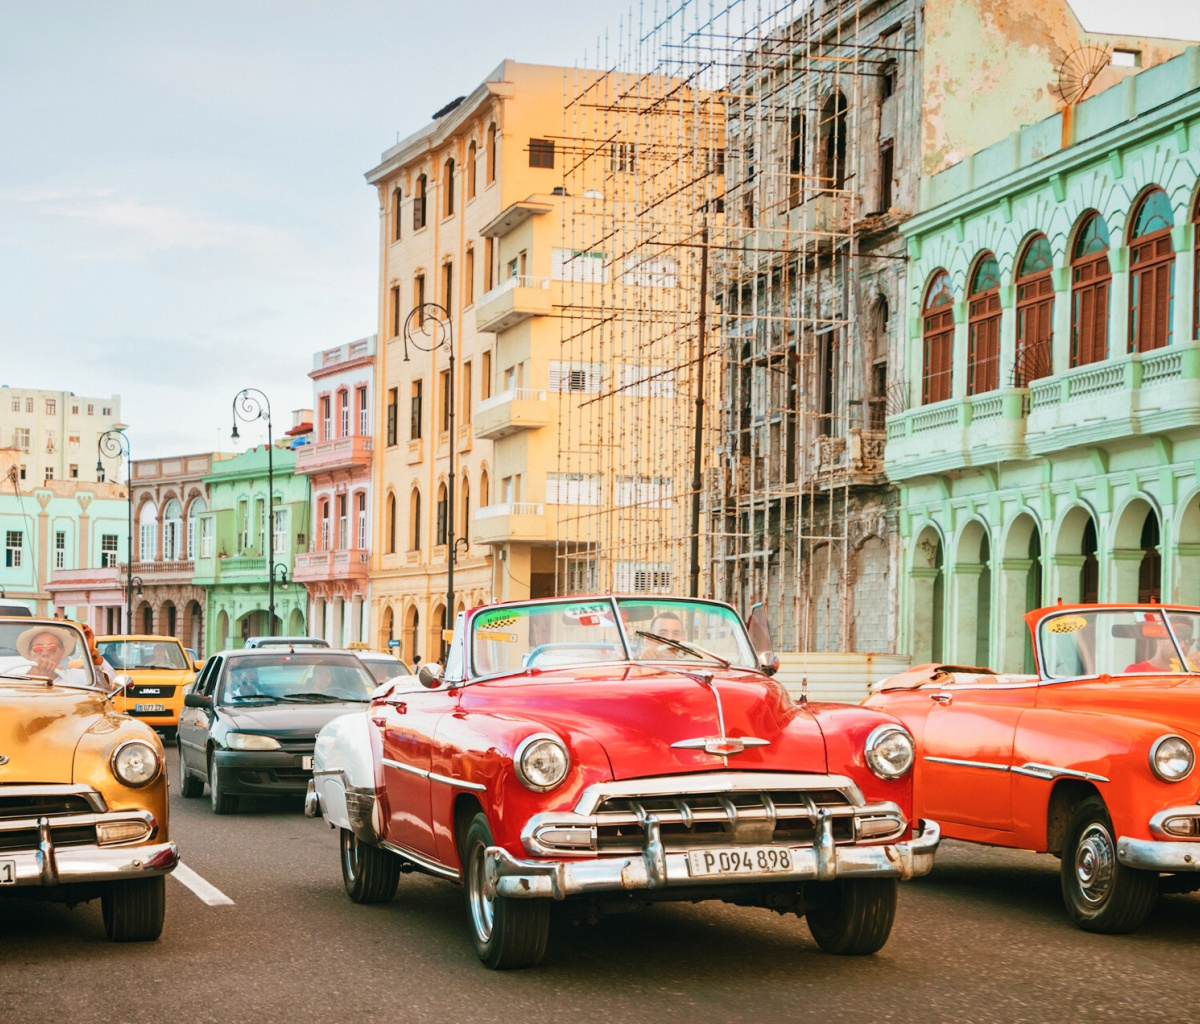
83	793
160	670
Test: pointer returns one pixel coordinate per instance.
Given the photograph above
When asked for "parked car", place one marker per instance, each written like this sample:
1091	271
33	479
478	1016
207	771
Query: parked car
285	641
14	608
383	666
250	722
159	670
617	752
1091	759
83	796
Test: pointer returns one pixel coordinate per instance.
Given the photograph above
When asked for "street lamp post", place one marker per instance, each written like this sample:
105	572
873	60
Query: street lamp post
432	324
113	444
249	405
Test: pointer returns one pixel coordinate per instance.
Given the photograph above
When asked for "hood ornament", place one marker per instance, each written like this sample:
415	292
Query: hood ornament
723	745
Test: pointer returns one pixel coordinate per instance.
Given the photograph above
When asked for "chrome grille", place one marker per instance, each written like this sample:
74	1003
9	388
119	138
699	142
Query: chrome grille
42	805
62	835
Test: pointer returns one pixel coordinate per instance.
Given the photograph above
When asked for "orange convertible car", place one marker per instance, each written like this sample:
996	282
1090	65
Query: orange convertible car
1092	759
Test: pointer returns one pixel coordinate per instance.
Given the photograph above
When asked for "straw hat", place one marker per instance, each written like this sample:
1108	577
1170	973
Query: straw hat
66	637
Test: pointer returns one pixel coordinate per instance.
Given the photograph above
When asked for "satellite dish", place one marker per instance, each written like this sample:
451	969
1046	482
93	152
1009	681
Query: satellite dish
1078	72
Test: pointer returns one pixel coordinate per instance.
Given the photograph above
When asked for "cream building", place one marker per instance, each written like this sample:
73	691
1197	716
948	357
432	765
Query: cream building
56	432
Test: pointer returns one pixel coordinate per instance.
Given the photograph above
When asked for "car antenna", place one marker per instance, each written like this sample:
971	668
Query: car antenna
804	688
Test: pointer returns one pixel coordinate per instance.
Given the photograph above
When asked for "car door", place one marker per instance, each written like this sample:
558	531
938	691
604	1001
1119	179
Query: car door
193	722
966	756
407	719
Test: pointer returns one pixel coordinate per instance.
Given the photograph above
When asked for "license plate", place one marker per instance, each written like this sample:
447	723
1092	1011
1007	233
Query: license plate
8	872
750	860
149	707
306	761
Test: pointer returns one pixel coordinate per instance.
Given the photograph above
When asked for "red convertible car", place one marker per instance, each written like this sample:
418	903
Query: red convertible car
1091	759
621	751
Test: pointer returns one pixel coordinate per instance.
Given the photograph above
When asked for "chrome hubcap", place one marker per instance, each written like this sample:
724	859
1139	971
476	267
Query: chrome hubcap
481	898
350	854
1094	863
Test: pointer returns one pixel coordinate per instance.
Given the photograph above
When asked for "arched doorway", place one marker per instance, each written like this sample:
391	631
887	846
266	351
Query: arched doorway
1020	590
1136	568
222	635
412	635
437	646
1075	566
387	628
871	597
296	623
193	626
971	598
1186	570
927	597
167	619
825	599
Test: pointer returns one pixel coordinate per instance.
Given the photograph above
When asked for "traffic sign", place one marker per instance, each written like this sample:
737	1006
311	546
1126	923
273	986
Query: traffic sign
393	643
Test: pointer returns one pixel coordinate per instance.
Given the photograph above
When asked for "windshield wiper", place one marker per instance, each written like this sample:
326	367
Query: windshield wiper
679	645
322	698
254	696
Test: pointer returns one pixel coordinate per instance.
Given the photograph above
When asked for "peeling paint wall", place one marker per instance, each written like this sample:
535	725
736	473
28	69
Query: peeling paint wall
991	66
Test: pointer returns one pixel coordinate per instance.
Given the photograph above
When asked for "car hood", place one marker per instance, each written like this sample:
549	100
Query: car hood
636	713
1173	700
160	676
287	722
40	727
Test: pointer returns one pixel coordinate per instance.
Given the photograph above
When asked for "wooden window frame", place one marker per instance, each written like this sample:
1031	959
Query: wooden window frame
983	333
1035	319
1091	291
1151	269
937	341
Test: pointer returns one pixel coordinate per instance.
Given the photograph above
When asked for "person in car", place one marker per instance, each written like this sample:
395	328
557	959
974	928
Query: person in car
669	626
47	648
243	681
1164	658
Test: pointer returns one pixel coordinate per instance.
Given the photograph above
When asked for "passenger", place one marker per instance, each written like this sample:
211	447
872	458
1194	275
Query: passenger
46	648
669	626
1165	658
243	681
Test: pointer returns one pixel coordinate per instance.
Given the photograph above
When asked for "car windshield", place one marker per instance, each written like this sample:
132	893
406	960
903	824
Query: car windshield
555	634
303	678
47	650
383	669
1125	641
133	655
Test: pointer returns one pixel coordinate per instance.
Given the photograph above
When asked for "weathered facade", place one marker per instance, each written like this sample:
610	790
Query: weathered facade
1050	448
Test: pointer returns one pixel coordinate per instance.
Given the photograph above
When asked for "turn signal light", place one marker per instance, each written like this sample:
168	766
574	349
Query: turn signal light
873	828
579	838
113	833
1182	826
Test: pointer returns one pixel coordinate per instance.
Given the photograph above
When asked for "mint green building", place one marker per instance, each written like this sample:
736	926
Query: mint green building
231	549
1050	445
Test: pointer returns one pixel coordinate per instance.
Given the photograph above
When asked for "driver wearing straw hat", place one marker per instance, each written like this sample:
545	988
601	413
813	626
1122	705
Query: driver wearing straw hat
47	649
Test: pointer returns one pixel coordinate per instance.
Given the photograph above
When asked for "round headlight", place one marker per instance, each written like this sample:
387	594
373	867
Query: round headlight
541	762
135	763
1172	758
890	751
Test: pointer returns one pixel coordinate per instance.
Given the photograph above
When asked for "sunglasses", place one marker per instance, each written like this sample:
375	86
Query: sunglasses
45	648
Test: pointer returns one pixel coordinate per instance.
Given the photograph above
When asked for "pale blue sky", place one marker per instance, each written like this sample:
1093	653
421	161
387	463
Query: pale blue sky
182	207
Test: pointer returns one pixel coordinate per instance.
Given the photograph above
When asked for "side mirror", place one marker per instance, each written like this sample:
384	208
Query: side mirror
430	675
383	690
119	684
197	666
768	662
196	700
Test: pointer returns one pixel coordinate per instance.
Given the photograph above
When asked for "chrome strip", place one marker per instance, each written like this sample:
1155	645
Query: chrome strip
1049	771
424	863
716	782
968	764
434	776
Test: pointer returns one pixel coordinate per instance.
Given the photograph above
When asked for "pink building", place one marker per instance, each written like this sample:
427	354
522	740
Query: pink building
338	464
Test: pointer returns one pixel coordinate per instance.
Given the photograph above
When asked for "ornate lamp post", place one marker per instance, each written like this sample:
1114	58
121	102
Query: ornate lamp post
249	405
429	328
113	444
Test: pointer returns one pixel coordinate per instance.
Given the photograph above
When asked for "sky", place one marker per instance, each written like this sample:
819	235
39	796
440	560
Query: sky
182	204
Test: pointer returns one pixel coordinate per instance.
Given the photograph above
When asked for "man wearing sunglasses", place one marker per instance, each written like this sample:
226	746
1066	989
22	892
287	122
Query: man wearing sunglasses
48	650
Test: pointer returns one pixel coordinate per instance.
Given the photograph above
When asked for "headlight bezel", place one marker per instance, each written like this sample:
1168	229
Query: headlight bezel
134	784
523	749
875	740
1157	745
240	741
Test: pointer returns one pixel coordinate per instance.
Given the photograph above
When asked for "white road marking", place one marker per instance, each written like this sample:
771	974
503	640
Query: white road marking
208	892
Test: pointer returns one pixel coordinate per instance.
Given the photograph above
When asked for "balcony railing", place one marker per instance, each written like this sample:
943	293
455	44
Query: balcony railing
516	281
334	453
242	563
512	301
343	563
510	411
175	567
512	508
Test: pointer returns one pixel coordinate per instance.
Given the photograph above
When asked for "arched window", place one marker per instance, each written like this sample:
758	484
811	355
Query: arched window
1035	312
414	516
471	176
938	339
448	189
1091	277
1151	275
397	198
491	153
148	532
360	502
443	516
391	524
172	532
195	509
465	503
343	413
419	203
1150	568
833	141
877	403
325	524
983	330
483	489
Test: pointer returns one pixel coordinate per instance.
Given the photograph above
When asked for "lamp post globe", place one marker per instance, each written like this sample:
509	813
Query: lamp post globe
251	404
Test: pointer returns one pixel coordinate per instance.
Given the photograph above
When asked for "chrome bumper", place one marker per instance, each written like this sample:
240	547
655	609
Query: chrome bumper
49	865
1155	855
657	868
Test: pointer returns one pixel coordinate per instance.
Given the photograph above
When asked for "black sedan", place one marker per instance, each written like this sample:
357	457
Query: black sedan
249	724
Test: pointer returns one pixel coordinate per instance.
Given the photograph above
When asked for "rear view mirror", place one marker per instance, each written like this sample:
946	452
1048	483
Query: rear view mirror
196	700
429	675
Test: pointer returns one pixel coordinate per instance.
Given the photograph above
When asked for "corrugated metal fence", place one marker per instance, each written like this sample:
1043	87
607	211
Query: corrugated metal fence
838	677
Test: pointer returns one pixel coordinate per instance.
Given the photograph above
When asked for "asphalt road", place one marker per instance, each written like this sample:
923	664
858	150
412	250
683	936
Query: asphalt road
984	938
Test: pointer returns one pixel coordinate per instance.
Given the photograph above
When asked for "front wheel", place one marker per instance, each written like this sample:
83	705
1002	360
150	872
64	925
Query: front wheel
853	917
189	786
133	911
369	873
507	933
1101	893
222	802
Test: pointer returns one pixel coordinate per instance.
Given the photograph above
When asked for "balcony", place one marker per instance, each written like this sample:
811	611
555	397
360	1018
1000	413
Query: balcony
509	303
976	431
516	521
317	566
242	565
856	459
511	411
336	453
163	570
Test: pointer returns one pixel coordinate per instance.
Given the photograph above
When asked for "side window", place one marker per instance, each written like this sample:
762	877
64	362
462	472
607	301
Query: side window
210	678
197	685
